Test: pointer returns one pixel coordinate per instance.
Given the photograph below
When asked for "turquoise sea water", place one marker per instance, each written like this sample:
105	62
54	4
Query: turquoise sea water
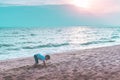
25	42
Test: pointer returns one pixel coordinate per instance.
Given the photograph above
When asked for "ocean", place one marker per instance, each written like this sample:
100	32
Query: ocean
25	42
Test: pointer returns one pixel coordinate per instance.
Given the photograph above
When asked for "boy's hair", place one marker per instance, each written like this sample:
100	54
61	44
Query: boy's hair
47	56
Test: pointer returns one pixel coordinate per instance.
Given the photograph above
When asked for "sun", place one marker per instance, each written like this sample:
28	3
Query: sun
81	3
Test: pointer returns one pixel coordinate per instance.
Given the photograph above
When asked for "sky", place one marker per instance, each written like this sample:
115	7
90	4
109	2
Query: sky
92	5
105	9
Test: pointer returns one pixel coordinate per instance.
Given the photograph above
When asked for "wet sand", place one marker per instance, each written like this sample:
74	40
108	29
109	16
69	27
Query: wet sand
90	64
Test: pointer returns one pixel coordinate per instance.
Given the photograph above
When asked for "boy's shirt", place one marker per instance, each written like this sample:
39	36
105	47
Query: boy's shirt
41	57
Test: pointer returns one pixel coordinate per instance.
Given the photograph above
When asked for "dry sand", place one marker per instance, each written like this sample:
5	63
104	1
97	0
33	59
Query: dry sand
91	64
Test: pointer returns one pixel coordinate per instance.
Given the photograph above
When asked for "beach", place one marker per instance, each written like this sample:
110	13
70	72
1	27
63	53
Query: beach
89	64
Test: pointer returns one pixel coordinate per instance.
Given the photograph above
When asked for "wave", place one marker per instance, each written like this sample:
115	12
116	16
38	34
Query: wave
15	32
115	37
33	34
97	42
6	45
4	53
22	35
26	43
12	49
46	46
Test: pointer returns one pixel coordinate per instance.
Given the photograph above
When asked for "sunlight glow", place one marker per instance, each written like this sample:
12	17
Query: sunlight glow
81	3
78	35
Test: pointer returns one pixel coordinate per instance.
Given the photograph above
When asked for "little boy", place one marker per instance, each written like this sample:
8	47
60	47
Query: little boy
41	57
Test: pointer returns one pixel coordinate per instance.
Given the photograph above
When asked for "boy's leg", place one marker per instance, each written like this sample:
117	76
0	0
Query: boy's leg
36	59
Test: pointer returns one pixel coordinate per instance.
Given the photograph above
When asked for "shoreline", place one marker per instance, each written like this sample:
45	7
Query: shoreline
97	63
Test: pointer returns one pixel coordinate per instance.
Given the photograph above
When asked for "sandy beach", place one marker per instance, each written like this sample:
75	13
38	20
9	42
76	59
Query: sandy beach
90	64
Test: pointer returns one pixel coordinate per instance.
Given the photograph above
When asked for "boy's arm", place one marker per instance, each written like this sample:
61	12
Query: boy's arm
44	63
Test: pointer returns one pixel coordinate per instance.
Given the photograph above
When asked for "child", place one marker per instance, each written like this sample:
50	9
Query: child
41	57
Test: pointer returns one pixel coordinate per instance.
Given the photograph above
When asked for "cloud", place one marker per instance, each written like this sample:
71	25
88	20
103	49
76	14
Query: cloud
98	6
97	3
32	2
105	6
